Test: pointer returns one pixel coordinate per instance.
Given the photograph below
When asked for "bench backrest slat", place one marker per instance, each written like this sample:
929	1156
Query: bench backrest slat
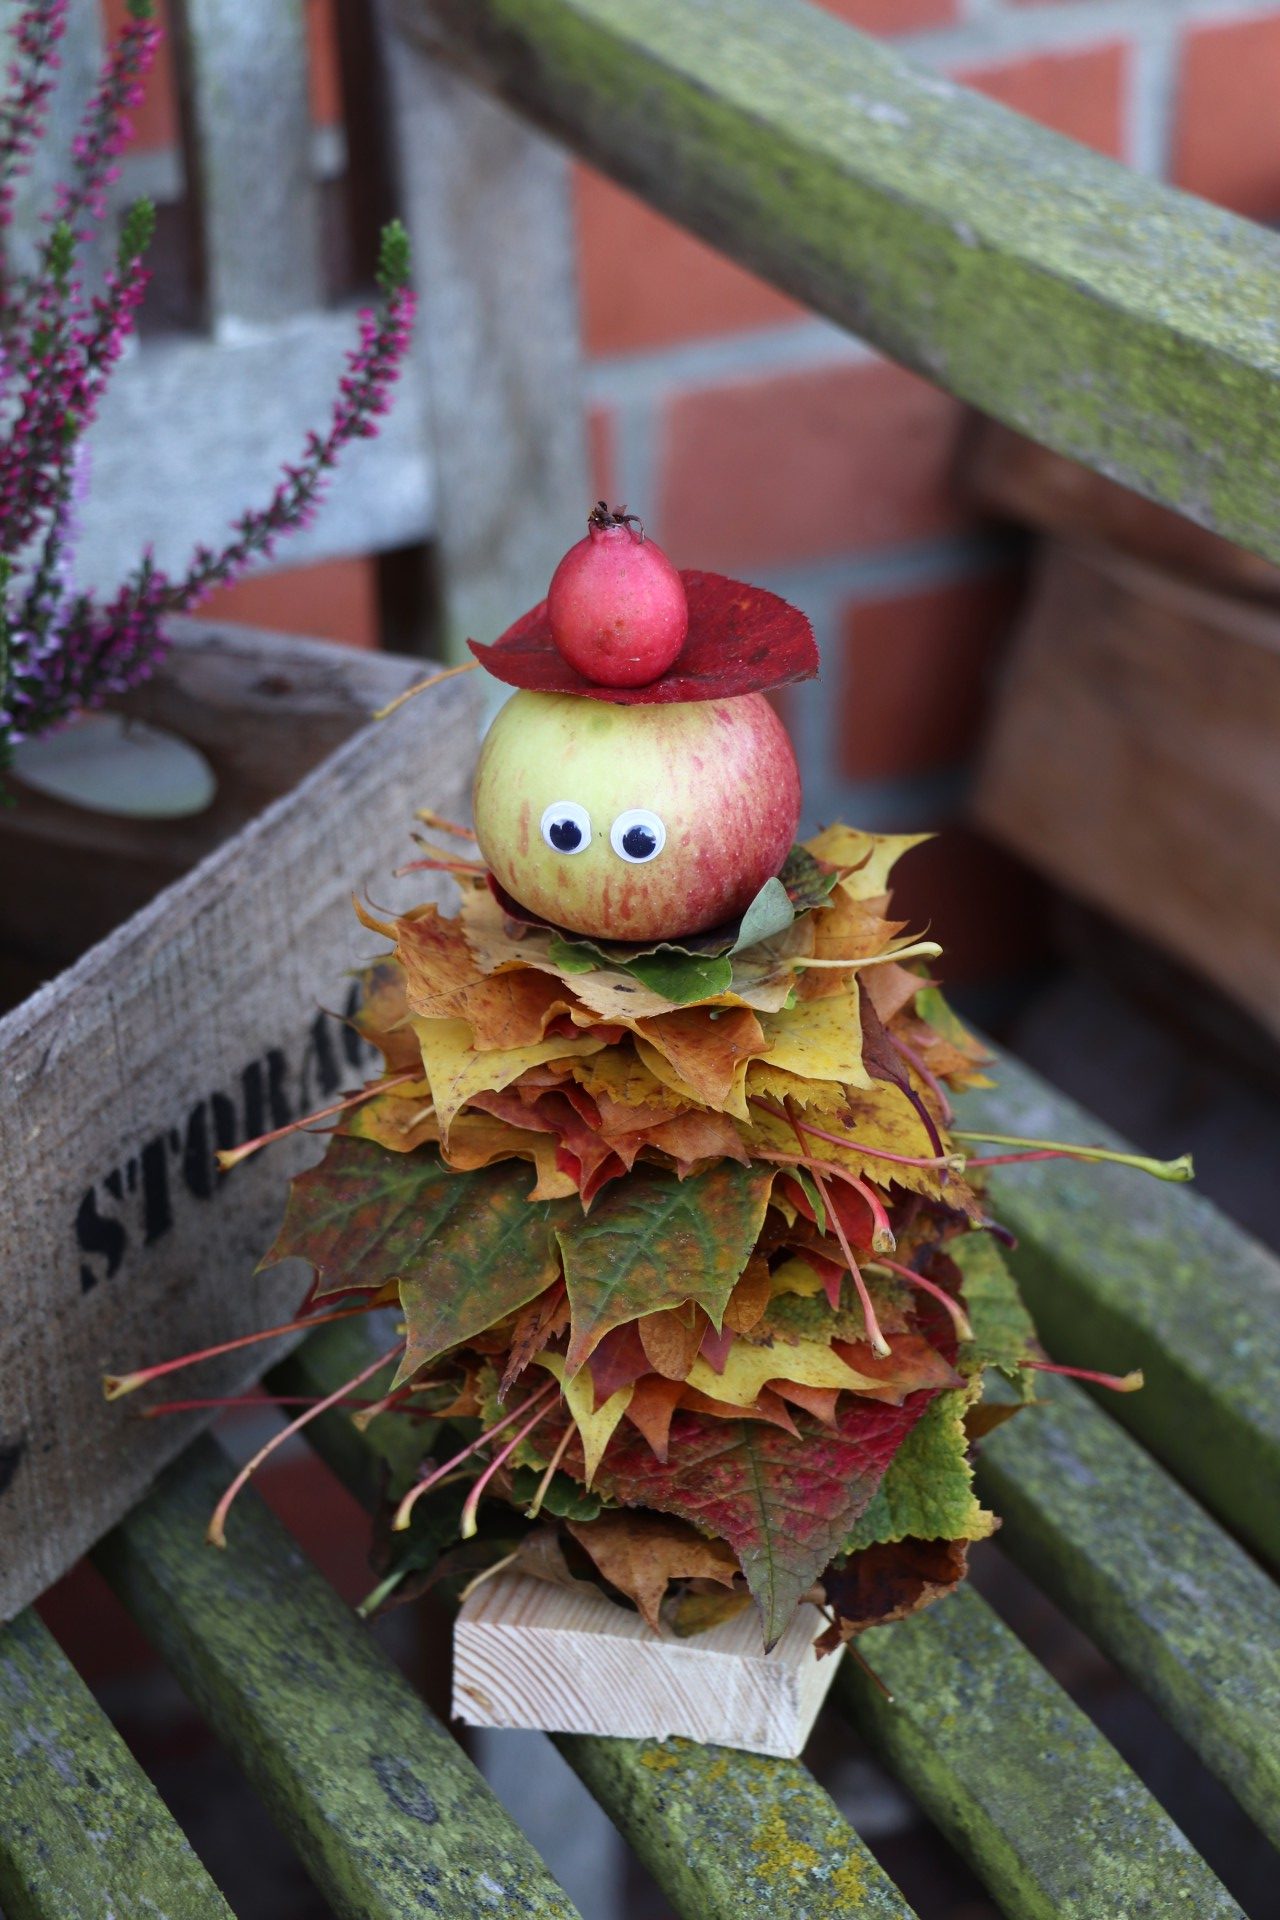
247	138
1110	317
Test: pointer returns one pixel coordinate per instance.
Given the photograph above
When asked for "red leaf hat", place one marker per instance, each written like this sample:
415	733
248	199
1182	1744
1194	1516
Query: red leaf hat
741	639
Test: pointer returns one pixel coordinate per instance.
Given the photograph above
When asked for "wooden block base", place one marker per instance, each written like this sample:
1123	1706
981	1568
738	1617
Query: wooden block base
528	1654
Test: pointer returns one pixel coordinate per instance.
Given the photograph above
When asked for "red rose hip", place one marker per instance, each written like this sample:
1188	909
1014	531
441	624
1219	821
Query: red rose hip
616	605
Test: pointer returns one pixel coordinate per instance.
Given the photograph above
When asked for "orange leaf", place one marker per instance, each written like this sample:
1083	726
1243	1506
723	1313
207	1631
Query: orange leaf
641	1553
703	1051
672	1339
651	1407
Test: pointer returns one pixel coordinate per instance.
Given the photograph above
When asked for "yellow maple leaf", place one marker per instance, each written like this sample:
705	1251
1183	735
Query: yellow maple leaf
596	1425
457	1072
811	1363
818	1040
872	854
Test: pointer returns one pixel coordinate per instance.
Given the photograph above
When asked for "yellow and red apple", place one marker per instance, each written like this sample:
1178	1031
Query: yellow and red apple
638	822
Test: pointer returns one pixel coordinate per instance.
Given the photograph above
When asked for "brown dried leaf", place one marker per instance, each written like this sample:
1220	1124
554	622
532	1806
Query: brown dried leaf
884	1583
641	1553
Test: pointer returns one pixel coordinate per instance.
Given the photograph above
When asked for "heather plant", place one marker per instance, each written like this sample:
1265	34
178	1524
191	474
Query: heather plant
63	650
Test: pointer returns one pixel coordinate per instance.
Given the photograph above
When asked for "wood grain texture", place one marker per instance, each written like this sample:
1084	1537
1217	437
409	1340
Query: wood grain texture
389	1816
246	130
197	1023
1133	758
724	1833
82	1829
264	709
1017	1778
216	420
486	201
1120	1270
1057	290
529	1654
1009	475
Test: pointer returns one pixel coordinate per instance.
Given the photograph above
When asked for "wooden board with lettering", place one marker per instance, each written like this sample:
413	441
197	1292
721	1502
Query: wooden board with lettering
212	1014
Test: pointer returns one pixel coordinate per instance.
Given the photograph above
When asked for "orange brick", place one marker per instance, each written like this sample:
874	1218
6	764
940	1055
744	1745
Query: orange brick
985	909
332	600
914	675
834	459
1227	130
155	122
1079	92
647	283
894	16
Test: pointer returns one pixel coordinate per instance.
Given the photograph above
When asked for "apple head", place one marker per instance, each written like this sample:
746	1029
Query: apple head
636	822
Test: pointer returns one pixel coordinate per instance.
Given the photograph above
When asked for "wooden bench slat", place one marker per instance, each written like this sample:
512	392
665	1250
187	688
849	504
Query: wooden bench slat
722	1833
265	266
1124	1271
389	1817
1055	289
1019	1780
726	1834
1185	1612
82	1830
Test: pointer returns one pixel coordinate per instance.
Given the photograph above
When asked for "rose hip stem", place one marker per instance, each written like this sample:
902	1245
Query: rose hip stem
216	1533
947	1163
415	1493
118	1384
232	1156
1179	1169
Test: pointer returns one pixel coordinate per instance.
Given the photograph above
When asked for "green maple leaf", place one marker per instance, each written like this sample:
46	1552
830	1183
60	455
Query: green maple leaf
654	1241
466	1249
1003	1331
927	1493
784	1502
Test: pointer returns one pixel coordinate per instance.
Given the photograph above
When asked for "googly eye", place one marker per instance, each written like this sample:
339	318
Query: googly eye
566	827
637	836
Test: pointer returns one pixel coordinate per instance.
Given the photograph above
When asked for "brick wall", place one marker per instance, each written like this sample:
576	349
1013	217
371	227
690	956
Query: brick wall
753	437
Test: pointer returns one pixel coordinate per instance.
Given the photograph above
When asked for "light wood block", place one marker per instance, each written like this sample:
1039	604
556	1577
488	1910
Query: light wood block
528	1654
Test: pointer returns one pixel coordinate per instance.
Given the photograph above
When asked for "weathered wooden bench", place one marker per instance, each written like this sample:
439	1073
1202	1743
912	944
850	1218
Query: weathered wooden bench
1136	330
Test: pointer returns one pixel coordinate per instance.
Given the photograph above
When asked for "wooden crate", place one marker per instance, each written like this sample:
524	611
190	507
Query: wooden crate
212	1013
1133	758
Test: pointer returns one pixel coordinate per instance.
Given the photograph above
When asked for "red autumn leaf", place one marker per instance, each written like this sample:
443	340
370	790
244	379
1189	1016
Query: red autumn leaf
785	1504
741	639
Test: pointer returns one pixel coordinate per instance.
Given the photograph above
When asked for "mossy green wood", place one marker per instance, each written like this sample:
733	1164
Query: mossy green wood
1189	1616
1121	1271
1017	1778
729	1834
1110	317
82	1830
722	1833
387	1814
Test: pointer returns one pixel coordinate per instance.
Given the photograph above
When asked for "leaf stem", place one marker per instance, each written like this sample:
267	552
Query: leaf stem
216	1533
1179	1169
432	680
404	1511
117	1385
